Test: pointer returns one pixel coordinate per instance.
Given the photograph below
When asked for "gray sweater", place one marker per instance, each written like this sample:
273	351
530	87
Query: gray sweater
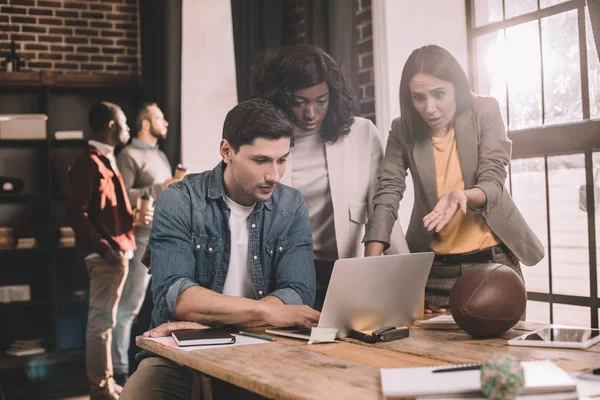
144	169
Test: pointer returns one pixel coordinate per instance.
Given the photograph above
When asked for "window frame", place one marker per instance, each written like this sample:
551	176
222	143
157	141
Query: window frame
550	140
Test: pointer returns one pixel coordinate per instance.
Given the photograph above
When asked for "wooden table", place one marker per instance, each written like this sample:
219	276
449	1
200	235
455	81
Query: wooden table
292	369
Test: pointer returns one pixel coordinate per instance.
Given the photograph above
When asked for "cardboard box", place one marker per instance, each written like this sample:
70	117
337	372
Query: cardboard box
23	126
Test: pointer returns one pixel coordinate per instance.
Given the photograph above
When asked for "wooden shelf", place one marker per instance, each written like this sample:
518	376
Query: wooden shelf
23	197
54	143
56	95
7	361
53	79
20	79
27	250
24	303
41	143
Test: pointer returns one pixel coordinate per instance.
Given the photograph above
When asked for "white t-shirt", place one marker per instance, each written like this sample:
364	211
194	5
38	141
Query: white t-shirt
239	275
311	177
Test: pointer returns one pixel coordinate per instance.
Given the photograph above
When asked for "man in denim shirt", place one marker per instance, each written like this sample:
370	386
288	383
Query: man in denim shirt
230	246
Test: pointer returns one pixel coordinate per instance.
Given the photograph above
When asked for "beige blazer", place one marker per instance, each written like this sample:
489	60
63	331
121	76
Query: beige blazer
484	152
352	164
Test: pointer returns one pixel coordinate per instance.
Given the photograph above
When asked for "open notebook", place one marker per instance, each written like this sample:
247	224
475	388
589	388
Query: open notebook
540	377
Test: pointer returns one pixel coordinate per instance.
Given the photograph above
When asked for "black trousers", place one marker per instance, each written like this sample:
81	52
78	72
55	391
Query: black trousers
323	270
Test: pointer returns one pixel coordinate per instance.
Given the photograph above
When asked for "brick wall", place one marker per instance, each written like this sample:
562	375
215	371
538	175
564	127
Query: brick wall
295	33
75	36
364	51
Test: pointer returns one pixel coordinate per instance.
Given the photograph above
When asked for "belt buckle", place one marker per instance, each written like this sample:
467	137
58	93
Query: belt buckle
445	258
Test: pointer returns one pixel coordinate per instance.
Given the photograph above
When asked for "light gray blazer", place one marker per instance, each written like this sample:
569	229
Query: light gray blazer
352	165
484	152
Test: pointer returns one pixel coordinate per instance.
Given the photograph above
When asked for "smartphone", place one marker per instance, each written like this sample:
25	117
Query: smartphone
593	373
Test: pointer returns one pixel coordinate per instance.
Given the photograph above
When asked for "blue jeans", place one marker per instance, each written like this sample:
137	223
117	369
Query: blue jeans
131	301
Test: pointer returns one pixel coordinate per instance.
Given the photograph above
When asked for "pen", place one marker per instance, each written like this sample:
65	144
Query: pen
456	369
256	335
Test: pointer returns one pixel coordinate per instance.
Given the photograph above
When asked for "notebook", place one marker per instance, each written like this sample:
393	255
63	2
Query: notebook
202	337
540	377
444	321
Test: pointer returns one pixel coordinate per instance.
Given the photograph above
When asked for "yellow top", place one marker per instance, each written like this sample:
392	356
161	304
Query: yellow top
463	233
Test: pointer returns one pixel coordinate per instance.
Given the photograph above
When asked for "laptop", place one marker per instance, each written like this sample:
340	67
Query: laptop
370	293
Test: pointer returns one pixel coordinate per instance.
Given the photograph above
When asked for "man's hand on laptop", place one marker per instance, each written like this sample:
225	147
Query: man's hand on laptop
278	314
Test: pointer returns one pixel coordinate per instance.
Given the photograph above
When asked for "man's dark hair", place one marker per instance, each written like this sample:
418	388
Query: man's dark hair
276	74
143	113
100	116
255	118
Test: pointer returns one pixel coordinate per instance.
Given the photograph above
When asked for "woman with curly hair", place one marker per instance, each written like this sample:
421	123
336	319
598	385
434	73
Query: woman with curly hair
335	157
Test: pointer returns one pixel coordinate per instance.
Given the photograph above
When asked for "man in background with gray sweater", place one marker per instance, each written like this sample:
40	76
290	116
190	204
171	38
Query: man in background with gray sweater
146	173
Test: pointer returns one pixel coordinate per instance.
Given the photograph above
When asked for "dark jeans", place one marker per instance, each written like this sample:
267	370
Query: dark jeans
323	271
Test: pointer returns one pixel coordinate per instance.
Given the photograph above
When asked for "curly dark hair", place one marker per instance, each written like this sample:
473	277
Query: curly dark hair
276	74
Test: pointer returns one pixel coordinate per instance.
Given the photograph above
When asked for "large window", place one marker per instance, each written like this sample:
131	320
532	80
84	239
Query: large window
538	59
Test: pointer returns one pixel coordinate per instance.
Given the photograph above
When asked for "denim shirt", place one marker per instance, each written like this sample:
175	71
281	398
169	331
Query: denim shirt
190	243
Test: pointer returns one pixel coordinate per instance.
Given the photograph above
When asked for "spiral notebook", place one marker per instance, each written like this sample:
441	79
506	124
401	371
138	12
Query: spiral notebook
540	377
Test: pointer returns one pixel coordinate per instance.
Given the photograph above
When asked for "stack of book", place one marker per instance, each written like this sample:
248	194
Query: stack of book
12	293
26	348
6	238
26	243
66	237
64	135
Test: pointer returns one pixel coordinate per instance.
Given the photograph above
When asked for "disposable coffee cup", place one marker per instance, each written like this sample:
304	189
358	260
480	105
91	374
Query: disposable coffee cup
143	204
180	172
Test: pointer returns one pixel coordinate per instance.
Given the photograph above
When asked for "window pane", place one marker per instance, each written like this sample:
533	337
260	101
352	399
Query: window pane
538	311
515	8
593	69
487	11
568	226
523	69
491	75
548	3
562	76
529	193
572	315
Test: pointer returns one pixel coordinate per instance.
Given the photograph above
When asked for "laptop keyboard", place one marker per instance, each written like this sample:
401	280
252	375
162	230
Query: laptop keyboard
302	331
296	329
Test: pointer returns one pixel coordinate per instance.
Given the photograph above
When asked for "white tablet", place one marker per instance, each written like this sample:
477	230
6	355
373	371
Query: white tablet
558	336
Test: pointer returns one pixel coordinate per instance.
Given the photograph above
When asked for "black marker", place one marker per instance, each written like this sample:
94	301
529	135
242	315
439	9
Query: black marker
456	369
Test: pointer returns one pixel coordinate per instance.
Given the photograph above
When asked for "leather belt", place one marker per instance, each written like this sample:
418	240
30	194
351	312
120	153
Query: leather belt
480	256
